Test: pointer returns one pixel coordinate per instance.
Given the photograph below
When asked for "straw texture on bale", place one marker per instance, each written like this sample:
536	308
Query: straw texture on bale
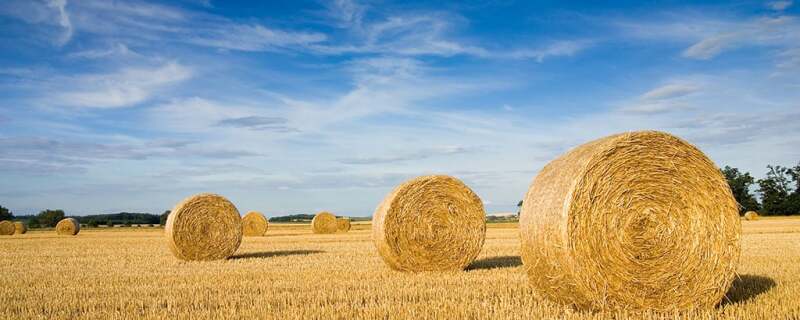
20	228
430	223
636	221
751	215
343	224
6	228
254	224
324	222
68	227
204	227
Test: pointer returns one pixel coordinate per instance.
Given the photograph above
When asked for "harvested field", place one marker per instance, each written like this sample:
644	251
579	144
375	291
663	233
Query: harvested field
292	273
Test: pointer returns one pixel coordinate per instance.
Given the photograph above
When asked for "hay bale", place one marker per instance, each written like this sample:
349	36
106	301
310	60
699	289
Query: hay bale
430	223
6	228
637	221
204	227
68	227
751	215
324	222
343	224
20	228
254	224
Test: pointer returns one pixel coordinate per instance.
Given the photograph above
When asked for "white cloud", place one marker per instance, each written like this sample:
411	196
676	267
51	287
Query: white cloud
125	88
669	91
779	5
253	38
559	48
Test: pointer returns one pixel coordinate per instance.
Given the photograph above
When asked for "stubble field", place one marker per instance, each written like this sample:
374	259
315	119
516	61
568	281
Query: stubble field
127	273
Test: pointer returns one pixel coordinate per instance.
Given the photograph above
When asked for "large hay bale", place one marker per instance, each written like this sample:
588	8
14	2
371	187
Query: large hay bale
751	215
6	228
20	228
343	224
637	221
68	227
254	224
204	227
430	223
324	222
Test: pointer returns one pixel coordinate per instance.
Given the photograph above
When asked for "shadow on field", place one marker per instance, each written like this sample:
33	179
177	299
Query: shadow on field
496	262
746	287
272	254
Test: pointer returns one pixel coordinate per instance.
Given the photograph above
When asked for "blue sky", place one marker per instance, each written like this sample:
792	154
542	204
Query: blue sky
299	106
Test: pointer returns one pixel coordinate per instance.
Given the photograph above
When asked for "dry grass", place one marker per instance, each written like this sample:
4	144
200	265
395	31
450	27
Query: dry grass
292	273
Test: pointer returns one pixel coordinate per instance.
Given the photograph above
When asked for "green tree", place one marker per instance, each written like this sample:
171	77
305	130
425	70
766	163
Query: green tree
110	223
740	187
5	214
49	218
793	201
775	189
164	217
93	223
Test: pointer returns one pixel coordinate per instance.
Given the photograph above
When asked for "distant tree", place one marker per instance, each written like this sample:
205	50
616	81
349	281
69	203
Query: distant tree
127	223
793	201
775	189
110	223
34	223
519	207
164	217
6	214
49	218
740	186
93	223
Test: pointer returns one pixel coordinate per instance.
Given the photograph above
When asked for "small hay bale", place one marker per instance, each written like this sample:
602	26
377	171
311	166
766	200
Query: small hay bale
324	222
68	227
254	224
751	215
430	223
635	221
343	224
6	228
20	228
204	227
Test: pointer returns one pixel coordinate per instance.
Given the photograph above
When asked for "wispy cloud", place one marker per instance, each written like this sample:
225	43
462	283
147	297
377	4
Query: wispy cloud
125	88
419	155
779	5
277	124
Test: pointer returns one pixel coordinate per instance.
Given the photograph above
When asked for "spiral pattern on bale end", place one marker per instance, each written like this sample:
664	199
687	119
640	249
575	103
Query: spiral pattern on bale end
68	227
751	215
343	224
254	224
324	222
430	223
204	227
20	228
636	221
6	228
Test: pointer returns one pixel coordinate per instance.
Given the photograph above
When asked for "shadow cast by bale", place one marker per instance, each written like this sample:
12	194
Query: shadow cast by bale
272	254
496	262
746	287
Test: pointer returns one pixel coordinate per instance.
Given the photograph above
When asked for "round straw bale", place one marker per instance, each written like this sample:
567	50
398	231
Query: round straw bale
204	227
324	222
751	215
68	227
430	223
20	228
636	221
254	224
6	228
343	224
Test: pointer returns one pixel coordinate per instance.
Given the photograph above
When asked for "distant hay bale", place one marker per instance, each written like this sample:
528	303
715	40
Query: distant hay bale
430	223
20	228
68	227
751	215
343	224
6	228
204	227
637	221
324	222
254	224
